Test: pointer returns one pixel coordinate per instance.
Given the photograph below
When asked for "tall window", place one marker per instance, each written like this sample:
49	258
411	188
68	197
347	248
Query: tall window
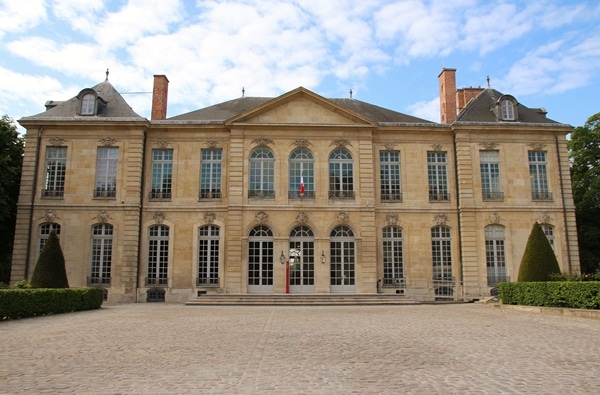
262	174
538	173
88	104
508	110
302	174
494	254
158	255
45	230
441	250
343	259
393	257
210	174
437	176
549	232
208	255
162	174
106	172
56	165
389	172
260	259
341	176
490	175
102	238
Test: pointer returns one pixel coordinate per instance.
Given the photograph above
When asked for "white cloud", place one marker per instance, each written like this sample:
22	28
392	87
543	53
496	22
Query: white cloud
16	17
429	110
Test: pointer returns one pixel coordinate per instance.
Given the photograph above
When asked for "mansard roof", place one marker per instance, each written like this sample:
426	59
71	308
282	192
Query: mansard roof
114	107
481	110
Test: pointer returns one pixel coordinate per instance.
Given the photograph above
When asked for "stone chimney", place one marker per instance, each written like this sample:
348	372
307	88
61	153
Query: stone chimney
160	93
447	80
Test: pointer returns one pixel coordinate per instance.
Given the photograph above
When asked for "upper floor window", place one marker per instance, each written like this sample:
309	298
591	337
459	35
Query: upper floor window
106	172
262	173
162	174
437	176
341	175
508	110
45	230
56	166
489	164
210	174
88	104
302	174
389	173
538	173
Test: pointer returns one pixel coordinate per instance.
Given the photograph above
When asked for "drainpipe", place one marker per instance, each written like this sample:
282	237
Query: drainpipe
460	248
564	207
31	204
141	209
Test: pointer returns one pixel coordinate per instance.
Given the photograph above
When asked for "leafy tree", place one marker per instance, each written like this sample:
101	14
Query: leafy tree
50	269
538	262
11	160
584	151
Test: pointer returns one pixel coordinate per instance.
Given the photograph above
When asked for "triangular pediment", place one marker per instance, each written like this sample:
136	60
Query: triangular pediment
300	106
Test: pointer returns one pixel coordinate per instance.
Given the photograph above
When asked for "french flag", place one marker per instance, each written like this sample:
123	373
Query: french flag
301	185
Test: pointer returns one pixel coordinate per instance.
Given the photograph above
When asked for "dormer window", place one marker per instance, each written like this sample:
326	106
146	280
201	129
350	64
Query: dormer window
89	103
508	110
505	109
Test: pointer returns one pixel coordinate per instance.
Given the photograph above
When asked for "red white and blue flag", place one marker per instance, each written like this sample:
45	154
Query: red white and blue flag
301	185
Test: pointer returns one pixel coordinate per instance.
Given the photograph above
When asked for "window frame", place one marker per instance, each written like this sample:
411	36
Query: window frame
437	176
107	164
157	268
56	172
538	175
489	168
161	182
211	172
389	176
495	254
301	169
101	255
261	174
341	174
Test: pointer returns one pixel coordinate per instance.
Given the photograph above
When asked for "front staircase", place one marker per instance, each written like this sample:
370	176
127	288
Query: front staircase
300	300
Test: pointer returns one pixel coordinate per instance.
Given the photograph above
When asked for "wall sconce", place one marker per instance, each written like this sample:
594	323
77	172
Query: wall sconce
323	258
282	258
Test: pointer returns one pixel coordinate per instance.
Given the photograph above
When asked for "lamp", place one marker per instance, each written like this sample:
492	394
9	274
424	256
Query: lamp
323	258
282	258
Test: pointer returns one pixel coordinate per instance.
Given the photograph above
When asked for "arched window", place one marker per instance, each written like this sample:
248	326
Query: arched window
508	110
260	259
441	251
45	230
343	258
302	174
158	255
302	259
88	104
341	174
101	262
208	256
393	257
262	174
495	256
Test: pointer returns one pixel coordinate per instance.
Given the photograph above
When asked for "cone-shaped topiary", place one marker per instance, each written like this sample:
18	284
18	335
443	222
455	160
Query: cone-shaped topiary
50	269
538	261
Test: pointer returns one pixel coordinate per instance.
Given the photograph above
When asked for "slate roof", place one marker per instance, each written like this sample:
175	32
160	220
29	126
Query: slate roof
116	107
223	111
480	110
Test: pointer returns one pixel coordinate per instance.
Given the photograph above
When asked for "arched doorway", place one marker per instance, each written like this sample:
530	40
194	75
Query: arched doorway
343	261
260	259
302	260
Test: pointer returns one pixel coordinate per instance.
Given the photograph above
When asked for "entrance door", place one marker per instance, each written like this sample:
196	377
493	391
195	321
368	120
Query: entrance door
342	269
260	259
302	260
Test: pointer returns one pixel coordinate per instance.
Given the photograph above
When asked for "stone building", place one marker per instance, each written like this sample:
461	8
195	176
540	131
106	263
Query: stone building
338	195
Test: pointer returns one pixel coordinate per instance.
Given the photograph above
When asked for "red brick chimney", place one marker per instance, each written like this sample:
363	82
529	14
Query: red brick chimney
466	94
159	97
447	80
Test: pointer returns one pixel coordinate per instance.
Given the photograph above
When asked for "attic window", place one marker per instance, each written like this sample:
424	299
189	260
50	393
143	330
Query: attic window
508	110
88	104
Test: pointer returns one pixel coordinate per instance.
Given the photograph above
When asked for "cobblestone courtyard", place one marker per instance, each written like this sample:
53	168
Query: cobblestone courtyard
420	349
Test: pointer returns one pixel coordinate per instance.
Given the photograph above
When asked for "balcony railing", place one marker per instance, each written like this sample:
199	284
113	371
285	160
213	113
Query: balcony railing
342	195
261	194
439	196
305	195
544	196
96	281
207	282
207	195
105	193
150	281
53	193
493	196
494	280
391	197
397	282
160	195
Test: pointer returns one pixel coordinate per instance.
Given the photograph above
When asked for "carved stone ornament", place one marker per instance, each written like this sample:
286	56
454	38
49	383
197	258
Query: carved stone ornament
103	217
389	146
261	217
210	217
301	143
56	141
262	142
544	218
440	219
162	144
342	217
302	218
159	217
49	217
212	144
340	143
437	147
392	219
489	145
494	218
108	141
537	146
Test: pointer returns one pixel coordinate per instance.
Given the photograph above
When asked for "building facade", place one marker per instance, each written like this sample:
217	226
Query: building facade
297	193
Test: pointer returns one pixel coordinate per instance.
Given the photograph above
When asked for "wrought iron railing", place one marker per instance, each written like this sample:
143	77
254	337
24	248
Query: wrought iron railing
391	197
156	281
439	197
107	193
298	195
160	195
94	281
397	282
53	193
206	195
493	281
341	195
541	196
207	282
261	194
493	196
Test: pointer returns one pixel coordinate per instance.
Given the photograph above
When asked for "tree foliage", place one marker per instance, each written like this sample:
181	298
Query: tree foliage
584	151
11	161
538	262
50	269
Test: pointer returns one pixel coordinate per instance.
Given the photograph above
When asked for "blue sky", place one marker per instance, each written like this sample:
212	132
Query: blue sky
546	53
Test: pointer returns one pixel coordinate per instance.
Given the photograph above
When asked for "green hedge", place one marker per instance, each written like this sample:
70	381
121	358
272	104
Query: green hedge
572	294
23	303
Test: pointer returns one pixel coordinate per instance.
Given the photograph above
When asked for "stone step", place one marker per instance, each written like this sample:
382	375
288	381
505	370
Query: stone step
299	299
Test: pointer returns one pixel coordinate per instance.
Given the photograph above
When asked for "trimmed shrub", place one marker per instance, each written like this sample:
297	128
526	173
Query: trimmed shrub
50	269
538	262
572	294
